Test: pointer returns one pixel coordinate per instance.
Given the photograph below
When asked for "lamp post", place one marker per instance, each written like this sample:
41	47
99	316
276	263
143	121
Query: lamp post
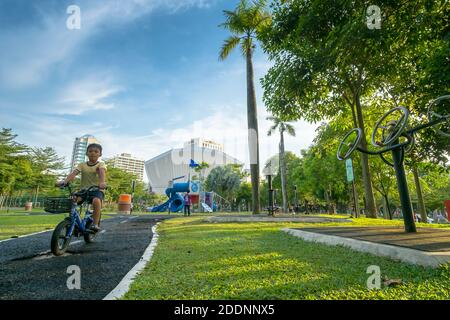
270	170
275	197
351	178
269	181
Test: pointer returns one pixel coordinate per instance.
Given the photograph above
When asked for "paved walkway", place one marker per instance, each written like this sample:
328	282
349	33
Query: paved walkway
426	239
28	270
428	247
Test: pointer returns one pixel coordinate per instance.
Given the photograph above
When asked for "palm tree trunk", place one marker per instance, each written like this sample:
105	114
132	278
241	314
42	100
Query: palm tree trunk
421	203
367	180
253	142
283	173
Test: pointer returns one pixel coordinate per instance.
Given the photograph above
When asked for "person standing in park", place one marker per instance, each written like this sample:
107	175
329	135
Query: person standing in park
187	204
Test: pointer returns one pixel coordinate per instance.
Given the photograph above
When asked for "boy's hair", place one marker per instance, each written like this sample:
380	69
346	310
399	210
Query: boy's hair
94	145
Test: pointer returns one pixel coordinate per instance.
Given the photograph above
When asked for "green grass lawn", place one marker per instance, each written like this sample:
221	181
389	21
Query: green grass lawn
14	225
19	223
199	260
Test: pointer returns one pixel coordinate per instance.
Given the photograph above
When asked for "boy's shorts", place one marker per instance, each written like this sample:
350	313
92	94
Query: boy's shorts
96	194
91	195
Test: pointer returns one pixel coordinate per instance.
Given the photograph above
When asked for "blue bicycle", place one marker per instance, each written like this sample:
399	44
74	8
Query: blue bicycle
72	225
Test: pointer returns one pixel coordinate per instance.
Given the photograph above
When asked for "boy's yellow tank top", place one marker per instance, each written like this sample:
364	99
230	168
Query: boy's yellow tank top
89	174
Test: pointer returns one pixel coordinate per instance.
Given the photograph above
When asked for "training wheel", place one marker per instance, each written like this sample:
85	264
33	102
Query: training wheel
349	144
439	109
390	126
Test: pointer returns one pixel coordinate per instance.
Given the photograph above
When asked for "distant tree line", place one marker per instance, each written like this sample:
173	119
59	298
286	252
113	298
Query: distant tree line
30	173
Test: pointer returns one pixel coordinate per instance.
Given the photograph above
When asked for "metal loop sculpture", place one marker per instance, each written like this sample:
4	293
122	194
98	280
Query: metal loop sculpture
386	135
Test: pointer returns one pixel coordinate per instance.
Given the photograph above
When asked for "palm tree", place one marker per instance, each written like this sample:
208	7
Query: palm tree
282	126
200	169
244	23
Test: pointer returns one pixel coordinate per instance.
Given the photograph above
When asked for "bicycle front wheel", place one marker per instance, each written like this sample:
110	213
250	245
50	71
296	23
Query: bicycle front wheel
60	242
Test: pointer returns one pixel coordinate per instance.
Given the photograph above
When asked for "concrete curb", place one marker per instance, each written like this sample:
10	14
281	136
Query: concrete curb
411	256
122	288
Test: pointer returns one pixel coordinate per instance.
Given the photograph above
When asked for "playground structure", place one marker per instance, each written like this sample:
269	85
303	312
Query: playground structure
391	133
175	203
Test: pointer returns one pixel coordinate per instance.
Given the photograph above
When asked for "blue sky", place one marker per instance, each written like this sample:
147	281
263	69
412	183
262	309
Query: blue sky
143	76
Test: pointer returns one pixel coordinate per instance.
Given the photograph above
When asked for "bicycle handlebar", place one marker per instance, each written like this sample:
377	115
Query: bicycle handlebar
91	188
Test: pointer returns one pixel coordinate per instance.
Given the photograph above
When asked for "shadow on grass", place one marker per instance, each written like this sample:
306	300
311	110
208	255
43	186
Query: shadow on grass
197	260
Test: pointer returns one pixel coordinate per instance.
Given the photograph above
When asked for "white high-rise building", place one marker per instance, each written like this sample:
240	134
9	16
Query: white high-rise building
79	150
129	164
202	143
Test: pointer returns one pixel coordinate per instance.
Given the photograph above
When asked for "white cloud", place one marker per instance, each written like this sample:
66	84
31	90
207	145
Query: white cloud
87	95
217	86
224	126
33	52
49	131
227	125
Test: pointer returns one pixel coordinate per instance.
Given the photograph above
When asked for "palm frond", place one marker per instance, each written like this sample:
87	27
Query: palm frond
228	46
290	129
244	22
272	129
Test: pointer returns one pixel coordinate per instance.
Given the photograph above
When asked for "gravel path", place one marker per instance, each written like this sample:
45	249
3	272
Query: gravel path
28	270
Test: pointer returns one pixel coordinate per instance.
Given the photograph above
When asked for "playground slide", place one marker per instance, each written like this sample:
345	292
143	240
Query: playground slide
206	207
162	207
176	201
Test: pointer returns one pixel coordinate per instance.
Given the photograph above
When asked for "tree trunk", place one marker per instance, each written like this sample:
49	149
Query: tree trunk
371	211
2	200
331	203
385	208
386	200
283	173
253	142
421	204
36	195
327	200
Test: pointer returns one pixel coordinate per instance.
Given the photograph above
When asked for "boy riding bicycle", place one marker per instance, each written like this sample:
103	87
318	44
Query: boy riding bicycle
93	173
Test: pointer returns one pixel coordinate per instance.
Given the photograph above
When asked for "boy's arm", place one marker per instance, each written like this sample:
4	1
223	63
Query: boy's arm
102	178
70	177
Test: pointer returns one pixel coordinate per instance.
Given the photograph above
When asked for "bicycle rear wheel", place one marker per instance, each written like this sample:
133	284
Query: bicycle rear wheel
60	242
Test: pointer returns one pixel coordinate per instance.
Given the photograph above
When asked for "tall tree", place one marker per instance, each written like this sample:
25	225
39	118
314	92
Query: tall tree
225	181
200	169
12	159
244	195
326	61
282	127
244	23
45	164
